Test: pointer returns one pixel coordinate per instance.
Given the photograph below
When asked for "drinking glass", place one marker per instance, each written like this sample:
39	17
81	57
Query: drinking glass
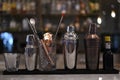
12	61
47	62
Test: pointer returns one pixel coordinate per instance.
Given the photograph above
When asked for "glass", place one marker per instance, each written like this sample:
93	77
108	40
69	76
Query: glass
11	61
30	52
47	55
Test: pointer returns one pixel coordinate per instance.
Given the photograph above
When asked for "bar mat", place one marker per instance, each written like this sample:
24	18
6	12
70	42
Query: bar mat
61	71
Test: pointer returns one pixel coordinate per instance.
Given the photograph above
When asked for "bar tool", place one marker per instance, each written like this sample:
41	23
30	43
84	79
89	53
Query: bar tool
92	48
30	52
40	41
70	48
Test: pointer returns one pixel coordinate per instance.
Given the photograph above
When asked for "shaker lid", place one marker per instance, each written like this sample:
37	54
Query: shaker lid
30	38
92	28
70	28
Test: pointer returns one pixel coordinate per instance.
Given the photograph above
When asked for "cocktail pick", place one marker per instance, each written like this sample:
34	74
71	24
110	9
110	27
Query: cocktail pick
62	15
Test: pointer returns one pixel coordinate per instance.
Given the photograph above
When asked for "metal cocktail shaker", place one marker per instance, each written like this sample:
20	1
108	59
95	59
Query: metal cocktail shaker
92	47
30	52
70	48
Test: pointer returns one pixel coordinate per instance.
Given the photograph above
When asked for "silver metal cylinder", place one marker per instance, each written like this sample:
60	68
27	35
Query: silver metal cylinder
30	58
30	52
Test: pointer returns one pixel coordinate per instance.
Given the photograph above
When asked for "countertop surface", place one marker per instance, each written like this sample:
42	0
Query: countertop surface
60	76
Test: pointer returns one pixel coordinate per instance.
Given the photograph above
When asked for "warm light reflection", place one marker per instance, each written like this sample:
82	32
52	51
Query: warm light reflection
47	39
32	21
63	11
93	36
113	14
99	20
47	36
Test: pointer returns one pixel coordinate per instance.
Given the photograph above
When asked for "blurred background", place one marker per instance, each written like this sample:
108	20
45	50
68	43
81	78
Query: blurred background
45	15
